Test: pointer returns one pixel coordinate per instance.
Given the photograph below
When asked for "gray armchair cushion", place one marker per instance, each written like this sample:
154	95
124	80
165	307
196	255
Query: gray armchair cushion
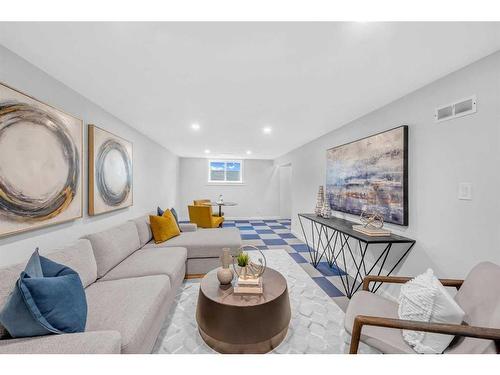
170	261
130	306
479	297
387	340
101	342
113	245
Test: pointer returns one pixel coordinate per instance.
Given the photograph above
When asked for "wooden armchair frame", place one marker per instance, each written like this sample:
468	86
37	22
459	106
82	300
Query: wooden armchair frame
451	329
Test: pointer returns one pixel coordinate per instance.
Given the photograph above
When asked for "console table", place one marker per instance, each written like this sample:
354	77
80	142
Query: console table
333	238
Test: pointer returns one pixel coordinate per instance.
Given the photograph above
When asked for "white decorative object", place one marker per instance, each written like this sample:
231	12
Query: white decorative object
320	198
225	274
425	299
221	199
371	220
252	270
325	210
249	276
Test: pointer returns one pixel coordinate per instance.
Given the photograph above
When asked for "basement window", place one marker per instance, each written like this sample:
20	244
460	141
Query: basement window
225	171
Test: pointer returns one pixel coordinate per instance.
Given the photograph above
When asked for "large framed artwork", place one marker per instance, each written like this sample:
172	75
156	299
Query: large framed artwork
110	172
372	174
40	164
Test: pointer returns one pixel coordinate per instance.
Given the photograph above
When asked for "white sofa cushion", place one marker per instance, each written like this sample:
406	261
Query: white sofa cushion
113	245
425	299
143	229
132	307
78	256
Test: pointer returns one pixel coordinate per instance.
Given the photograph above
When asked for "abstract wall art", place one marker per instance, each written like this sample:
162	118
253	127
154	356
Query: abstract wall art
110	172
40	164
371	174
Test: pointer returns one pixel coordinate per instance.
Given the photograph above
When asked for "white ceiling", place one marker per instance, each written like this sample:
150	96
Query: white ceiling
233	79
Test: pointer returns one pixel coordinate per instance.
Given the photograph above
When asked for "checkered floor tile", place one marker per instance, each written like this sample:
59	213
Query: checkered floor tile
276	234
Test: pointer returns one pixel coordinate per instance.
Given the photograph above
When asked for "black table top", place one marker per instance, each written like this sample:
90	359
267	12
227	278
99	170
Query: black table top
345	226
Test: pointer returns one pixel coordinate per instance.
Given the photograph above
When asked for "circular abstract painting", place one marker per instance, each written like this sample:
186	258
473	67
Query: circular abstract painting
111	171
40	164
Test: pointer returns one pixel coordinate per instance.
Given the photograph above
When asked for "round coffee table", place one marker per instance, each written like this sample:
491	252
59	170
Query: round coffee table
235	323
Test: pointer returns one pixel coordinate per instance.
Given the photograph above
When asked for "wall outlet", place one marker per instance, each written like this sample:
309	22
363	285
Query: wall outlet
465	191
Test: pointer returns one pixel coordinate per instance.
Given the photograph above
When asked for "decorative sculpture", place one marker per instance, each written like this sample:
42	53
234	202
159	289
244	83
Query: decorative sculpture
372	220
326	212
320	199
251	270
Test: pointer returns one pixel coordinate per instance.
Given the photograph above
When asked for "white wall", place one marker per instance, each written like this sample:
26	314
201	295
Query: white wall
155	168
258	196
452	235
285	172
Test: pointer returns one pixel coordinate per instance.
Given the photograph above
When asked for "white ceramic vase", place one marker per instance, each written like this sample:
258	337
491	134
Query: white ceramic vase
225	276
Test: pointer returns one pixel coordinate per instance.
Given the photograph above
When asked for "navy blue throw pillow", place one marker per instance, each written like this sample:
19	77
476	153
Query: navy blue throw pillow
48	298
175	217
159	211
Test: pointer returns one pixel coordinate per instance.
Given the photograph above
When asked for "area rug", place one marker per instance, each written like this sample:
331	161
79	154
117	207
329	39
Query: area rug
316	325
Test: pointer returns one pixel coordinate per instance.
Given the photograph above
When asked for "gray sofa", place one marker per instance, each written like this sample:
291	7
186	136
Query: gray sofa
130	284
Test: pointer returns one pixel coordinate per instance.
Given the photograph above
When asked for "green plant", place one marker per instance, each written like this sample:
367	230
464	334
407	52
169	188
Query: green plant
243	259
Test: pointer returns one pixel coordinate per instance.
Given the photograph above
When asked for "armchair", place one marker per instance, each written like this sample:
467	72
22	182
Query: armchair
206	202
374	320
202	216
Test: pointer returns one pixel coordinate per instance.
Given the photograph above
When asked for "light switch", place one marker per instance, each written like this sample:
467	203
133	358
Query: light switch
465	191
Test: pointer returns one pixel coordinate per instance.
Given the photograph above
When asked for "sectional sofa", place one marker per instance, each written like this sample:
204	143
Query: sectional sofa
130	283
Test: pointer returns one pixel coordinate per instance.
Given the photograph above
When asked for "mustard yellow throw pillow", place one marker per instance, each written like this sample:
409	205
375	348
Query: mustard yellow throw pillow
164	227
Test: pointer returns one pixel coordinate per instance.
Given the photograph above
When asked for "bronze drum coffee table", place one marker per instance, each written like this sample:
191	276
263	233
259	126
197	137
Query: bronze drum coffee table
235	323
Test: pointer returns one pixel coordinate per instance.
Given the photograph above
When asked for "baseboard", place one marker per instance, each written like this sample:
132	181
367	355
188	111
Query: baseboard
195	276
254	218
231	218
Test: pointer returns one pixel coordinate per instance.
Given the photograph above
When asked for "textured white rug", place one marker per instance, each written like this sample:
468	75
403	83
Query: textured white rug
316	325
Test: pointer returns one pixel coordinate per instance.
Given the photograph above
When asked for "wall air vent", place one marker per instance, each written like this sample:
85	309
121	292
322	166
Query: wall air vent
460	108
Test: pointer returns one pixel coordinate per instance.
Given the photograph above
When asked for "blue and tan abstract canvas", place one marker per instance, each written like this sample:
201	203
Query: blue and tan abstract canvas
370	174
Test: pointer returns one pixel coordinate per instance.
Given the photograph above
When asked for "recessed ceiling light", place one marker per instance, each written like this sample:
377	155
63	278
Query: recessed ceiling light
207	151
195	126
249	152
267	130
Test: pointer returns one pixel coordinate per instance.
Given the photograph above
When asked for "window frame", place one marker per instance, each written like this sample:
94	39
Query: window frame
225	181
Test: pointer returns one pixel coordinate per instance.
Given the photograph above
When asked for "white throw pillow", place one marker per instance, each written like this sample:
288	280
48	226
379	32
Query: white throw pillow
425	299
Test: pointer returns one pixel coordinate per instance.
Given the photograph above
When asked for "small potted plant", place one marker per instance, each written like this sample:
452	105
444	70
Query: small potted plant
243	260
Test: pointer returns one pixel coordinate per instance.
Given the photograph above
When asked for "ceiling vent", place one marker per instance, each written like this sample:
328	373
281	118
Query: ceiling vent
460	108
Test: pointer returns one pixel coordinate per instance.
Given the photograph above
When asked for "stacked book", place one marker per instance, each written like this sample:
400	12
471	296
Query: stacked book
374	232
248	286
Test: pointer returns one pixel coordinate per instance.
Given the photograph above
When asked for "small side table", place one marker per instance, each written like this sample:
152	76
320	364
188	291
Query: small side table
221	204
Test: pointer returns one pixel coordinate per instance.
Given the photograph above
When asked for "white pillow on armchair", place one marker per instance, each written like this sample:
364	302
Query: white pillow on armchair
425	299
